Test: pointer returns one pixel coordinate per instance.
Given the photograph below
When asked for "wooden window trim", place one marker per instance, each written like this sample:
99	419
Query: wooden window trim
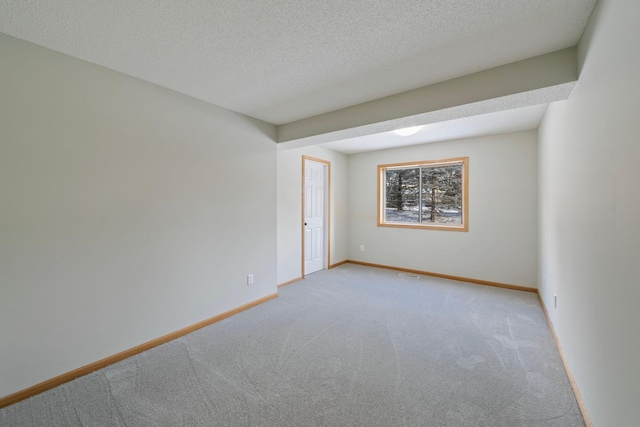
425	226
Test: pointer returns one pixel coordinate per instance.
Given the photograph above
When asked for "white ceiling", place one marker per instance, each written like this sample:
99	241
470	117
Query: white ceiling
284	60
478	125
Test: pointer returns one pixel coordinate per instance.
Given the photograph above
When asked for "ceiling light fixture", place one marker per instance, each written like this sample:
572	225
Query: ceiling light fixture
407	131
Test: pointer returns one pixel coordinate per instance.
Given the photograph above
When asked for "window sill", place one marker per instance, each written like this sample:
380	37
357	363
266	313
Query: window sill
426	226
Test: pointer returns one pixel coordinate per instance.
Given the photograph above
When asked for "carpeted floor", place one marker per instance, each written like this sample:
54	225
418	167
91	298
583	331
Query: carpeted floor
352	346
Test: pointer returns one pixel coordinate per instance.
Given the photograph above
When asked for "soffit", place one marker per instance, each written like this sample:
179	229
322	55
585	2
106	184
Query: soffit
513	120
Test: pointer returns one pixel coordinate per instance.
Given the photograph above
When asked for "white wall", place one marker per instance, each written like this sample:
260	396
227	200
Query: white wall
589	213
290	208
128	212
501	244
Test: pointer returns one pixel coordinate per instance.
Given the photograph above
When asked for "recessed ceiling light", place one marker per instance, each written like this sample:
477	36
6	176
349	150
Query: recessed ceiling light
407	131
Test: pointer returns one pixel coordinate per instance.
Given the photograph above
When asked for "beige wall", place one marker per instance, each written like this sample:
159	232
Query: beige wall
501	244
119	222
290	208
128	212
589	212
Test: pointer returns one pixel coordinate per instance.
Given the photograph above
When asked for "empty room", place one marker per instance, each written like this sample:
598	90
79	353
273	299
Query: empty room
339	213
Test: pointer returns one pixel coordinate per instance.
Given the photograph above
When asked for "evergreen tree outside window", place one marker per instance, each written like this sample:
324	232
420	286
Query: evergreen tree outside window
428	194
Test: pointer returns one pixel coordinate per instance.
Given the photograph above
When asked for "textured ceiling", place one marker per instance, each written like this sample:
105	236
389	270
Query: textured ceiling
478	125
284	60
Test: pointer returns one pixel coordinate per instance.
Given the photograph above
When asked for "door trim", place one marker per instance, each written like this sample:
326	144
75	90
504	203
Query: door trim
327	211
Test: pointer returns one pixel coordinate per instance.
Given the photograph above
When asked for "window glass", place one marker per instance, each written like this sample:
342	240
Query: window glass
429	194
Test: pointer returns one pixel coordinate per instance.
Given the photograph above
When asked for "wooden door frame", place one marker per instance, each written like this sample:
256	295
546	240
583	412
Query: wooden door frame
327	207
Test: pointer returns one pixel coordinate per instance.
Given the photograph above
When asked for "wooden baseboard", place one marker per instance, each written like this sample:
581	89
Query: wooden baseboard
87	369
297	279
338	264
572	380
447	276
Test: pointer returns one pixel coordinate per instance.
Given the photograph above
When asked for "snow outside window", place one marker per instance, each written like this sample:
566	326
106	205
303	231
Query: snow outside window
428	194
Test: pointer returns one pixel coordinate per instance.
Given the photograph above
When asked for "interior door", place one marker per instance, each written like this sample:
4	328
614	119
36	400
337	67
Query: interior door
314	211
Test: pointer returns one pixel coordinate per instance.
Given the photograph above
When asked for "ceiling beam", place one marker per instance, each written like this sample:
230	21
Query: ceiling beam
536	80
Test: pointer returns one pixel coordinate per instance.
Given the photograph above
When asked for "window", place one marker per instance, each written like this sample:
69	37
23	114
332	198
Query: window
429	194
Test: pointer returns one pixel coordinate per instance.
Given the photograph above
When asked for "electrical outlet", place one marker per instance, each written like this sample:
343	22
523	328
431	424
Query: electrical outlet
555	301
249	279
361	248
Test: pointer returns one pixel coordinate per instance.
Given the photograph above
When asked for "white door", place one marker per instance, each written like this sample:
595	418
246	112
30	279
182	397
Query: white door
314	202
